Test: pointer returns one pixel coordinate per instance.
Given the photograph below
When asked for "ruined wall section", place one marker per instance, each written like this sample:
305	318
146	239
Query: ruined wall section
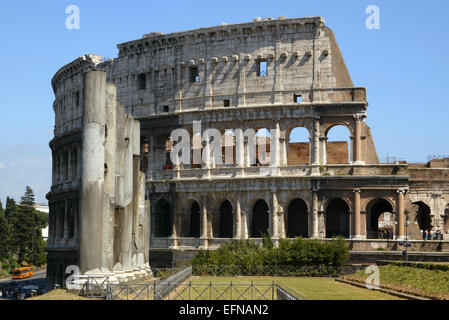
154	75
109	188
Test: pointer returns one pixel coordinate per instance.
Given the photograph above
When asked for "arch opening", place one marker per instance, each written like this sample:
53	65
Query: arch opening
338	145
337	219
299	147
162	219
260	223
226	220
263	138
423	218
298	220
380	219
194	226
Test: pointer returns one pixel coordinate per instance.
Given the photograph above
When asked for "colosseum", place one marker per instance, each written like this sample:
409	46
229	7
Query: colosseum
121	199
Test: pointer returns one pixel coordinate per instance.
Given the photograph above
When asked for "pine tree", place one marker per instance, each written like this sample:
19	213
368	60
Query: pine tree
27	235
4	234
10	207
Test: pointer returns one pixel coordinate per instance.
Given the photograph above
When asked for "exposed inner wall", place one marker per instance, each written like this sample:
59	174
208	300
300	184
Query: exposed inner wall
108	234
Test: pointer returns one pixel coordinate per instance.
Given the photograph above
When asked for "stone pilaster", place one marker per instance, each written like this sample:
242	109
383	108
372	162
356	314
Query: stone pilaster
400	213
357	220
358	140
315	217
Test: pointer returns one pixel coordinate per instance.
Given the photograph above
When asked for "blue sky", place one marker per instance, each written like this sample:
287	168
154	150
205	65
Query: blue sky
404	66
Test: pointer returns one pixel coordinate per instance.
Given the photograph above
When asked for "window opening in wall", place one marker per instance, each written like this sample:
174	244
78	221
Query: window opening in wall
105	169
262	68
165	109
297	98
226	102
142	81
194	75
77	98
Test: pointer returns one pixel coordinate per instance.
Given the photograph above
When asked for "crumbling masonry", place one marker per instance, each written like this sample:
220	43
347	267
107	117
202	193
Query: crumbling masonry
116	195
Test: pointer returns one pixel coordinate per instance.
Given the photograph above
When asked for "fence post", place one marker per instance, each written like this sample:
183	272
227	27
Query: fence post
272	291
190	290
210	291
252	298
231	290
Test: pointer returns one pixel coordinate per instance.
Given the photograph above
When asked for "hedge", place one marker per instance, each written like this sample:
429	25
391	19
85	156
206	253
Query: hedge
290	253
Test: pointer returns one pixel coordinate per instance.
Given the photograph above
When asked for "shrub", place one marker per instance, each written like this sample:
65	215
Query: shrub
248	255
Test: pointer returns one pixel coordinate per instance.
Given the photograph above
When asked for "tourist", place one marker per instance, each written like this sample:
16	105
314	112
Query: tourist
426	235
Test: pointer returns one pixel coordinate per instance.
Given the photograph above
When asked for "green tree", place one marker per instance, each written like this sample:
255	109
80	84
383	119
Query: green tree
4	234
26	222
10	207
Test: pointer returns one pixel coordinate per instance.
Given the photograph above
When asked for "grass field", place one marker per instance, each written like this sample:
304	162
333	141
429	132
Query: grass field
312	288
429	283
58	294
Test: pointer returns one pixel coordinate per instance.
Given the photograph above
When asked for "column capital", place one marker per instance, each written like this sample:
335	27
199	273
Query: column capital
357	190
403	191
359	117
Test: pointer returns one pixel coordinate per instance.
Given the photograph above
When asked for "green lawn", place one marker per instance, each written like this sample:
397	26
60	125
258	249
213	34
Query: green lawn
312	288
420	281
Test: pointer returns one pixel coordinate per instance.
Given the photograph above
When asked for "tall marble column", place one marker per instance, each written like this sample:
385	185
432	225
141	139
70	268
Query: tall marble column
315	217
357	229
237	220
401	216
358	140
274	215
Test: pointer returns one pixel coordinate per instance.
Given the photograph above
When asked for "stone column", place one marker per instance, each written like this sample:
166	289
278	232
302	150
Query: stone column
401	217
237	220
315	218
204	226
244	224
283	143
323	156
66	224
61	169
178	96
174	234
274	149
274	215
357	229
316	141
69	164
75	221
358	140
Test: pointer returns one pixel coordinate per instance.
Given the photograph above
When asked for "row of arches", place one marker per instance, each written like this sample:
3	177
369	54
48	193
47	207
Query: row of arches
336	147
380	219
296	219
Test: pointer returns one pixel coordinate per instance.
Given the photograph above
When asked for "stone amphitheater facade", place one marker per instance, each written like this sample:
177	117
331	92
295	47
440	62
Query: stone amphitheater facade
117	196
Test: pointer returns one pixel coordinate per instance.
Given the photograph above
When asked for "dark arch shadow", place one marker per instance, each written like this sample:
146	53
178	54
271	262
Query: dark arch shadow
337	219
298	221
226	220
260	223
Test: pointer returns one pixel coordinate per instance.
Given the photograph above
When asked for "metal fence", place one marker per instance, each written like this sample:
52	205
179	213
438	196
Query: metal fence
95	287
264	270
175	287
202	291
